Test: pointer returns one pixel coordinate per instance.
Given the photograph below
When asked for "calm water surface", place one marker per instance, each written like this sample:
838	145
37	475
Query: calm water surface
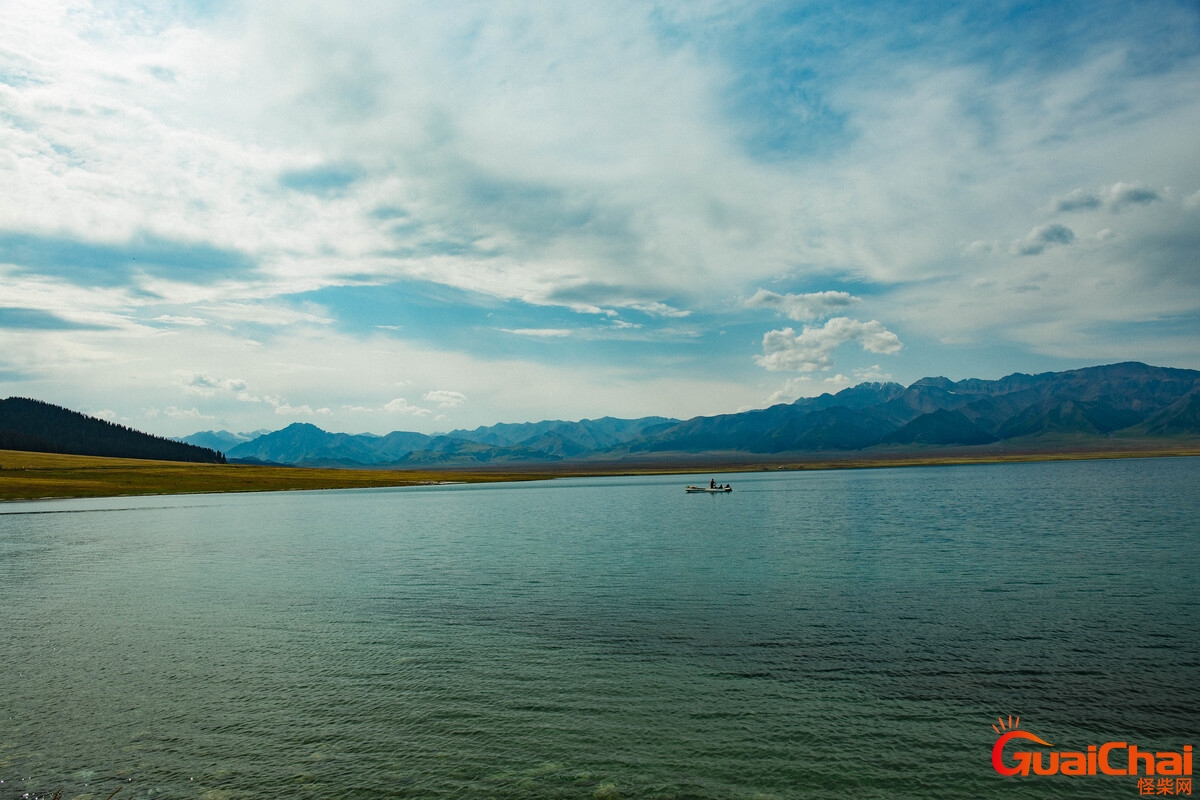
828	634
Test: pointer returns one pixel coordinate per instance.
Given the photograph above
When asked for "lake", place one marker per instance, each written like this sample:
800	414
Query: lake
846	634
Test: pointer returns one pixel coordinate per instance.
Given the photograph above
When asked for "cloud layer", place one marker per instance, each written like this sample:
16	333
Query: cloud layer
622	200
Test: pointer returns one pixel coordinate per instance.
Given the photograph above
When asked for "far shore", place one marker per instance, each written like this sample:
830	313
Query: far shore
37	476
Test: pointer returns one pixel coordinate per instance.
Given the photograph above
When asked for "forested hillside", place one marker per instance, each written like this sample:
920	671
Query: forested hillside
45	428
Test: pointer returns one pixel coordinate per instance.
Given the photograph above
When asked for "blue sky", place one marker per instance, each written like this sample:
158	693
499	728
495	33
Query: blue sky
424	216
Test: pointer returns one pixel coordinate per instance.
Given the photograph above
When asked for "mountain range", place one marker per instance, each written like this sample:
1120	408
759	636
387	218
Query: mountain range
1052	410
552	440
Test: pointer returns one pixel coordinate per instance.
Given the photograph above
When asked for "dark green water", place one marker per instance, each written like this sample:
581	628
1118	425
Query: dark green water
834	634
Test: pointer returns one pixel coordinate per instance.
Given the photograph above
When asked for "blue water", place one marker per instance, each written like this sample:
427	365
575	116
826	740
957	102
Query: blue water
819	634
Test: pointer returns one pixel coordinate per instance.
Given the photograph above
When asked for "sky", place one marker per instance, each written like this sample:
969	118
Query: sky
426	216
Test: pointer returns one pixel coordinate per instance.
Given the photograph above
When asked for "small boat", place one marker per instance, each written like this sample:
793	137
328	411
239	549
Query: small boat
705	489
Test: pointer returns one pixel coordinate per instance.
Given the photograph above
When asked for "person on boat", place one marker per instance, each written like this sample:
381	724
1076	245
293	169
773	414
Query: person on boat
712	483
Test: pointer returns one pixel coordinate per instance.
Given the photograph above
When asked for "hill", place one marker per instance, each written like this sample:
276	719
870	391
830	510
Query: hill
34	426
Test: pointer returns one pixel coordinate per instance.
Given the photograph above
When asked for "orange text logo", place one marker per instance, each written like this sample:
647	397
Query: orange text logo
1110	758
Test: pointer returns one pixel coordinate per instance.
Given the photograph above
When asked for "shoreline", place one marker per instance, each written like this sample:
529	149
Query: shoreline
30	476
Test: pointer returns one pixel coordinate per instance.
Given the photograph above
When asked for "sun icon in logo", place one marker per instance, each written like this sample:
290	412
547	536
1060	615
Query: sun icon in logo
1008	731
1010	725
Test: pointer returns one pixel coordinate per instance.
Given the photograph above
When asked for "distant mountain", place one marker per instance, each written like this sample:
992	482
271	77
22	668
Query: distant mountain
221	440
398	444
1126	400
1055	416
940	427
1180	418
303	443
44	428
554	440
1130	399
446	451
777	429
587	434
864	395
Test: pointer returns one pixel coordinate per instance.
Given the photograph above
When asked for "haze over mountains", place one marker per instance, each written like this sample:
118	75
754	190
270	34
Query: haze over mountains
1053	410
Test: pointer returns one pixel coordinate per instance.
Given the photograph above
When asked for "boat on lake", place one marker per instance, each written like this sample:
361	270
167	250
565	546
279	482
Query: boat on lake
709	489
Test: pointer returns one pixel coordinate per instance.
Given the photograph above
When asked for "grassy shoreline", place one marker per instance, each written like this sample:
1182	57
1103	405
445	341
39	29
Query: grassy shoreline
38	476
43	476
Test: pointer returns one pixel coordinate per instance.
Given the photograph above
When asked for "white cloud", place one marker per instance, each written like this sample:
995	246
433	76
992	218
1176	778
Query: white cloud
1077	200
1042	237
184	414
802	307
1120	195
1115	197
266	314
206	386
286	409
539	332
813	348
171	319
202	385
872	374
658	309
981	247
785	394
1192	200
445	399
402	406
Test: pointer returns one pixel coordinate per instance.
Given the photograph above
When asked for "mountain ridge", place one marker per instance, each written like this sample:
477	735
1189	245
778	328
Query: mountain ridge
1092	403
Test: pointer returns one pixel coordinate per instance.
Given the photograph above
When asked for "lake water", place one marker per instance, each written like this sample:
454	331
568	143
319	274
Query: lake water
849	634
